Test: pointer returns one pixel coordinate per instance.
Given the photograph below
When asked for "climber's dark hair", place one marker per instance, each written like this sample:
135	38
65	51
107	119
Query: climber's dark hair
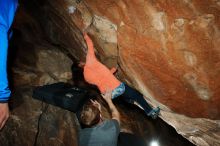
90	115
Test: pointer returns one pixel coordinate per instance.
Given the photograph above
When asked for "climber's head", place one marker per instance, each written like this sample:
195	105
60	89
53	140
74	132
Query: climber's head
91	114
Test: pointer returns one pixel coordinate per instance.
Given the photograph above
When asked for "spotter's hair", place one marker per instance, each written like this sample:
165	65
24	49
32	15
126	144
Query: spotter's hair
90	115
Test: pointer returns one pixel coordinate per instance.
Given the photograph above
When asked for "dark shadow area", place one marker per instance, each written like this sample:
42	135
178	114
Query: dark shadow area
149	129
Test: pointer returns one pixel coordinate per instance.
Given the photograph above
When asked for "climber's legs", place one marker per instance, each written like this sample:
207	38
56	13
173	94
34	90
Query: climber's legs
131	95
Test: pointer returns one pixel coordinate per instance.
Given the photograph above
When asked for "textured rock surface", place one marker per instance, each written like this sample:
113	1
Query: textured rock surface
57	127
34	59
46	69
168	50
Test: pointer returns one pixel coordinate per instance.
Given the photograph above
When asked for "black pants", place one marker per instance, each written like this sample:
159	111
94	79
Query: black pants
130	95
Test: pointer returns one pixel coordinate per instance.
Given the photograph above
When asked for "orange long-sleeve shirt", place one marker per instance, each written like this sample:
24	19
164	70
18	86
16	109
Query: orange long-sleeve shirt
96	73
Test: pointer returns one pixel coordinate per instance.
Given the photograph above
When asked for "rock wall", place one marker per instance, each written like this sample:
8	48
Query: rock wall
168	50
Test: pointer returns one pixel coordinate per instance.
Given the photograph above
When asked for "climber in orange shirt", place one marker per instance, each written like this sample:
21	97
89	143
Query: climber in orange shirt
98	74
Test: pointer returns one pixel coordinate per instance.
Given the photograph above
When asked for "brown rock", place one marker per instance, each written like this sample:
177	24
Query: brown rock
168	50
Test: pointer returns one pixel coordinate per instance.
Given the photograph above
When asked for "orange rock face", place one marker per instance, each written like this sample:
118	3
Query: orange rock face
170	48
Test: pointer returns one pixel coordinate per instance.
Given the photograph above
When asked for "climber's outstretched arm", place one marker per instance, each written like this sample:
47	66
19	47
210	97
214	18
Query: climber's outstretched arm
91	52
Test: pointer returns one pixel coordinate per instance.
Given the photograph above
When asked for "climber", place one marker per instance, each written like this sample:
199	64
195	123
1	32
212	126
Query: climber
98	131
98	74
7	12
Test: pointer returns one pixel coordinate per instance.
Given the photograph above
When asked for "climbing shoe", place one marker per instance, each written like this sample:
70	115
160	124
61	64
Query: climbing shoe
154	113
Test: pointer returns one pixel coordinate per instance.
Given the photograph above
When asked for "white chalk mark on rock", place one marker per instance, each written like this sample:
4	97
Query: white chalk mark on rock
71	9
